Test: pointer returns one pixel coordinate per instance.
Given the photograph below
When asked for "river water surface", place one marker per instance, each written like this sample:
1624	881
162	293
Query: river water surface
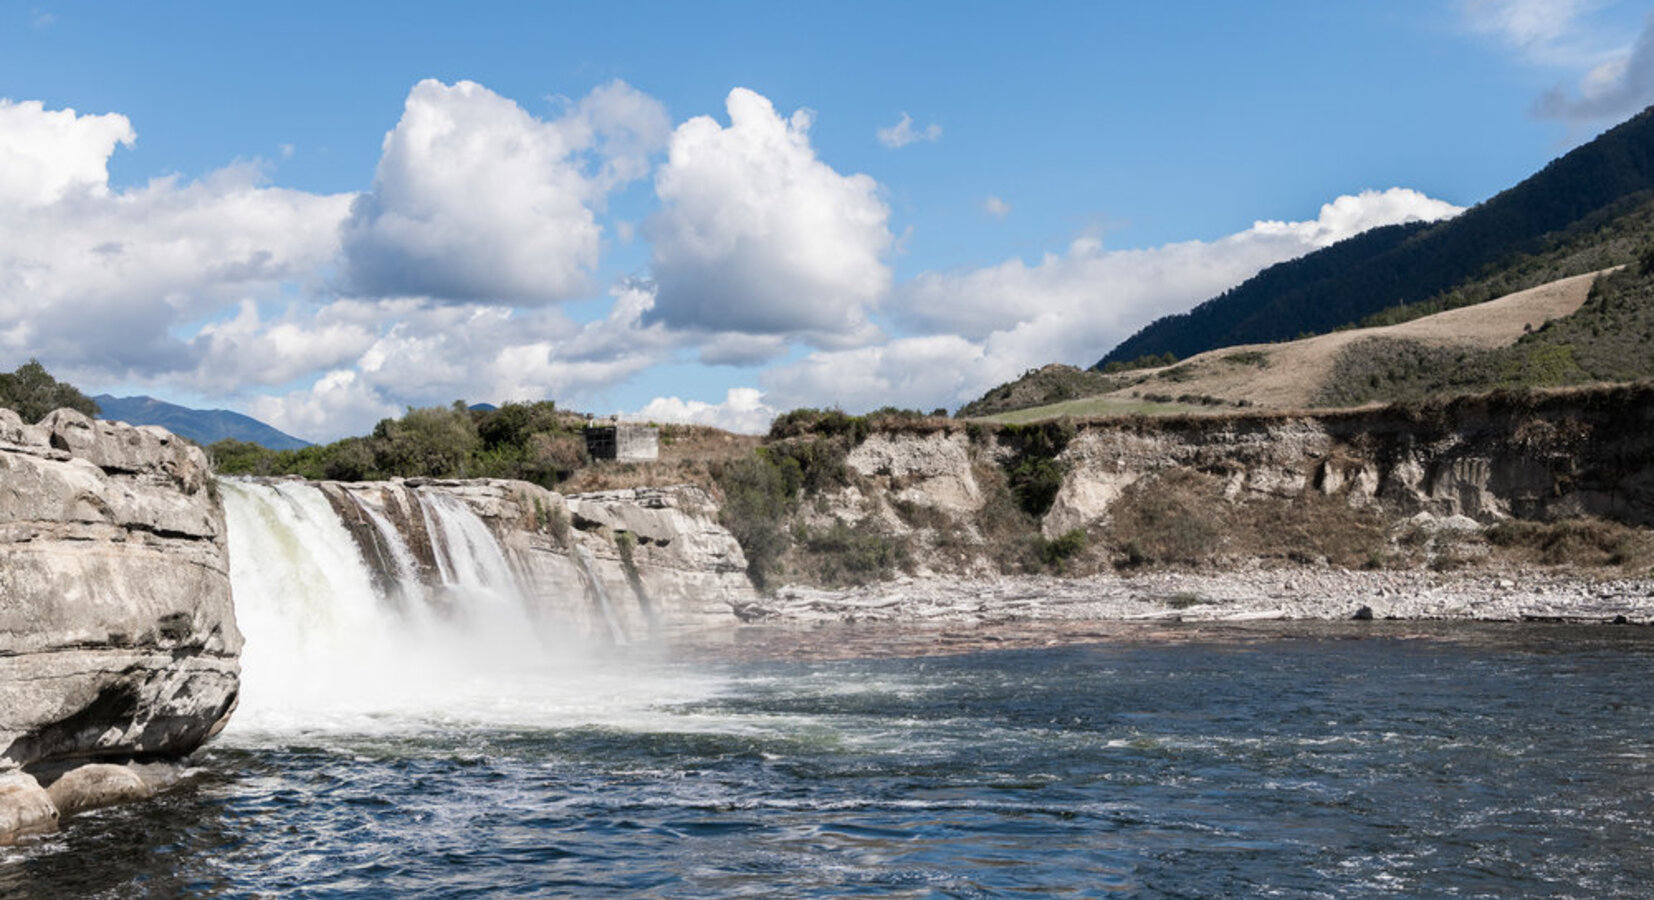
1330	761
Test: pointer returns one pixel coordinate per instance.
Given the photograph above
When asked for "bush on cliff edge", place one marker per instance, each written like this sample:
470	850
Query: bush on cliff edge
32	392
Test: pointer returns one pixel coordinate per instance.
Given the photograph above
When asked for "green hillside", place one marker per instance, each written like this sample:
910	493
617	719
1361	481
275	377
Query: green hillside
1610	338
1401	266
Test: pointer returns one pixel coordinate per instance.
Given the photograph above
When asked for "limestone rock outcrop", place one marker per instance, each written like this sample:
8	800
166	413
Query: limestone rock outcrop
663	549
117	635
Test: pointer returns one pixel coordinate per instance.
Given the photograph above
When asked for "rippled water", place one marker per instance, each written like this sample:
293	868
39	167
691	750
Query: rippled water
1475	761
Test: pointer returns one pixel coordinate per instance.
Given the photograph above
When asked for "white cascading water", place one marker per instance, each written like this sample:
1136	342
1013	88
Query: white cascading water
467	554
584	561
410	593
324	651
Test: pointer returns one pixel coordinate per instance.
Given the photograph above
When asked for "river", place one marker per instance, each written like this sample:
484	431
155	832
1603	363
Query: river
1296	761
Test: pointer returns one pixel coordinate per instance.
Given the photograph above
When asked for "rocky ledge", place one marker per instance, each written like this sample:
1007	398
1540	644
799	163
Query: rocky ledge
118	644
1248	595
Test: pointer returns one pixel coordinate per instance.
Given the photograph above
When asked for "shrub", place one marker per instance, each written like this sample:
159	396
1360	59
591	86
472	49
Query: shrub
1256	358
815	464
1579	541
820	422
434	441
1146	361
1171	519
854	554
1035	472
351	459
1185	600
759	493
1035	482
232	457
1057	552
514	425
32	392
1178	374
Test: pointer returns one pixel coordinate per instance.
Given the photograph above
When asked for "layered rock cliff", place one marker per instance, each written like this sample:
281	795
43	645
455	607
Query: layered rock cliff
1536	457
117	637
1339	487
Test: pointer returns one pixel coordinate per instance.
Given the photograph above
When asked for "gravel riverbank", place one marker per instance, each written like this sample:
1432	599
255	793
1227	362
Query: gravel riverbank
1247	595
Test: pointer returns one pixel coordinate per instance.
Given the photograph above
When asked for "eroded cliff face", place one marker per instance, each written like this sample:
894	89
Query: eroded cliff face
932	470
1586	453
1249	477
117	636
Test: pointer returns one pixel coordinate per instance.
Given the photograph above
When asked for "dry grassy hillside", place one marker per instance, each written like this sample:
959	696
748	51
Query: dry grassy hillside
1291	374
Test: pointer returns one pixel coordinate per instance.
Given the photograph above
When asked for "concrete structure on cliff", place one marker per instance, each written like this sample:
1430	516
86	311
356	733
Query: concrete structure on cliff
622	441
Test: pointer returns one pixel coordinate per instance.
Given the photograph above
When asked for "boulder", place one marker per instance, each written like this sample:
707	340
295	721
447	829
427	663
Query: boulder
25	808
94	785
117	635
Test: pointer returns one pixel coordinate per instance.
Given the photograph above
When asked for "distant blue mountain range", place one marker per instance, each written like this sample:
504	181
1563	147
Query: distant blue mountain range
203	426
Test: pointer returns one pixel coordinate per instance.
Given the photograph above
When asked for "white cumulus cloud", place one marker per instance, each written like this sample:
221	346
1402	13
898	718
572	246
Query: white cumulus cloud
1105	294
996	207
251	349
743	410
756	234
476	200
425	353
108	284
47	154
315	413
986	326
223	286
919	372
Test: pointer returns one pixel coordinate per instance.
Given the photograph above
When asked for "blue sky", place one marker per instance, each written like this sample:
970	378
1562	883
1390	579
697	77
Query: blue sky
323	213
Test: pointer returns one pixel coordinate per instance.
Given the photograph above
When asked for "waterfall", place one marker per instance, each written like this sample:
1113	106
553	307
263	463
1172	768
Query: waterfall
304	598
584	560
395	571
468	555
328	646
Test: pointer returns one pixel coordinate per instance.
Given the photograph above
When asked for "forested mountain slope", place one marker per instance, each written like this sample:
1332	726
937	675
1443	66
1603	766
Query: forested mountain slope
1379	270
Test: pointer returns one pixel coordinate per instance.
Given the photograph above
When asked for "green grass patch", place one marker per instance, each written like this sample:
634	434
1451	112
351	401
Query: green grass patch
1093	407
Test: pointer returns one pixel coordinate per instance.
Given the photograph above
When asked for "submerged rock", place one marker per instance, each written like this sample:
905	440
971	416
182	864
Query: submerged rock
25	808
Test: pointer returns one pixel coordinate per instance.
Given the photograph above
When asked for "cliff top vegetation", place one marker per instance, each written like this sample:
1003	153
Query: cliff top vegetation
32	392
